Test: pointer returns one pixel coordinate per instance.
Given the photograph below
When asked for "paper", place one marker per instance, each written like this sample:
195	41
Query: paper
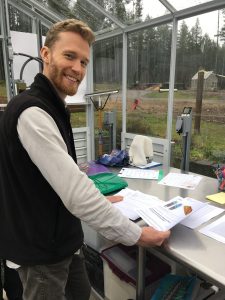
170	213
201	216
150	165
218	197
215	230
138	173
185	181
135	200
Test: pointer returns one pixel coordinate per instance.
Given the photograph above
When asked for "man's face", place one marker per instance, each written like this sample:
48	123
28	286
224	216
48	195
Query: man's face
65	62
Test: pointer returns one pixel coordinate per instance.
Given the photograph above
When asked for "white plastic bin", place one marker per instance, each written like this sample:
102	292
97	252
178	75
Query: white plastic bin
120	269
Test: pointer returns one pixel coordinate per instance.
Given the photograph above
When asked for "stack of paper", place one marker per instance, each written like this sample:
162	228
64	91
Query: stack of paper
139	173
170	213
215	230
134	200
218	197
164	215
185	181
150	165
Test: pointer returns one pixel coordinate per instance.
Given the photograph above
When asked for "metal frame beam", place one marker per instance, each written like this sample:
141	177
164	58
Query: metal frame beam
199	9
109	34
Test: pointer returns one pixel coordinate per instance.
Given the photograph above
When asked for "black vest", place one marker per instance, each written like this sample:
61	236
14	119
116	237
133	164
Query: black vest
35	226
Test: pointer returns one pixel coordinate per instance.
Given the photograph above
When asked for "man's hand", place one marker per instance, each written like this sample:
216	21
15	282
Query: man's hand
151	237
114	199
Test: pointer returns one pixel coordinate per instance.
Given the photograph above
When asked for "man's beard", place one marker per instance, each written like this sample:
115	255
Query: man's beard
57	77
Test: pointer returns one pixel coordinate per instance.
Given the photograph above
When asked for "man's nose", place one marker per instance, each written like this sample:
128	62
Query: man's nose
77	67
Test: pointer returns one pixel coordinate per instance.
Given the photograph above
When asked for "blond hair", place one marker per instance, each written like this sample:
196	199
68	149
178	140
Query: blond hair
69	25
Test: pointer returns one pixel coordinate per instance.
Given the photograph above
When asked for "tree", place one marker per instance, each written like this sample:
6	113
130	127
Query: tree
19	21
119	10
61	7
222	32
183	64
195	43
209	53
95	19
196	36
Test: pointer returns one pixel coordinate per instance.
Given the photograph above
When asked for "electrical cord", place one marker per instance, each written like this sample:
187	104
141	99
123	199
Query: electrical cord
30	58
215	290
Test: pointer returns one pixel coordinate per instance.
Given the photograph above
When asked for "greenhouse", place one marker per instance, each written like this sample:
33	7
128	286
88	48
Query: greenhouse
155	74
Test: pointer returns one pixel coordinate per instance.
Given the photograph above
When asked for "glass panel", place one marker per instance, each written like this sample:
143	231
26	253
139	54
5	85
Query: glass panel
134	11
78	115
93	17
82	10
44	30
107	77
148	73
199	49
178	4
0	17
3	93
19	21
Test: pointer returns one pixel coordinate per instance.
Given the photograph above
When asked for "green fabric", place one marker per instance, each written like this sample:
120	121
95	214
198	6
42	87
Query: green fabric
108	182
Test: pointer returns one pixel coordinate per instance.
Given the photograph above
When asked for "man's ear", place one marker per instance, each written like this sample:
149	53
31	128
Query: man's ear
45	53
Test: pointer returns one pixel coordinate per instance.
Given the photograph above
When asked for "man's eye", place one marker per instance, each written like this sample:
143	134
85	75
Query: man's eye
69	56
84	63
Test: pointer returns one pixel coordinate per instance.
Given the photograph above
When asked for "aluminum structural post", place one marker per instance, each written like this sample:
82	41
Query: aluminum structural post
7	52
171	89
124	88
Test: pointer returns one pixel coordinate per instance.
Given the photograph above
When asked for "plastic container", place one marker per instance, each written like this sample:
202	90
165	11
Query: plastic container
120	269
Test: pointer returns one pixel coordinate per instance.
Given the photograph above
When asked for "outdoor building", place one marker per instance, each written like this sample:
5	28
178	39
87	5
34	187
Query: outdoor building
210	81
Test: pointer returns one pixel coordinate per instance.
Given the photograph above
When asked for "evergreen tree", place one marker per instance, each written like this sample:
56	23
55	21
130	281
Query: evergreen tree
183	72
149	67
196	36
209	52
138	10
163	35
222	32
195	43
19	21
95	19
120	10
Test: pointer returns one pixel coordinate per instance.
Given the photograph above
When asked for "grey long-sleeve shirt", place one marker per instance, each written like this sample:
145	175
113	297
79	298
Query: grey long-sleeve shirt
43	142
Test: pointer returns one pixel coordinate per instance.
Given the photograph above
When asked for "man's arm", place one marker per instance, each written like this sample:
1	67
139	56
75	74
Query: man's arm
42	140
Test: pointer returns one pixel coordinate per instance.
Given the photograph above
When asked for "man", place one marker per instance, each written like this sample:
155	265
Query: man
43	194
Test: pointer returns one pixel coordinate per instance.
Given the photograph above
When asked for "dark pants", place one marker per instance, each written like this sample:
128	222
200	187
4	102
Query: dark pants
11	283
64	280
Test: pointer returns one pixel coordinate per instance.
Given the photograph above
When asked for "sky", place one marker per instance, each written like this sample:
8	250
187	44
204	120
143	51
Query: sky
208	21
